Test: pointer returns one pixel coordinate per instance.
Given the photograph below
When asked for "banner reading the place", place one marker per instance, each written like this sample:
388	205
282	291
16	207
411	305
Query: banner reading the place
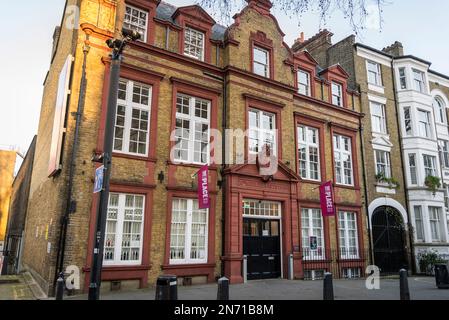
327	199
203	188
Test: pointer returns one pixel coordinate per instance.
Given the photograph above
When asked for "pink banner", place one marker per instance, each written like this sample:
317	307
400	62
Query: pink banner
203	188
327	199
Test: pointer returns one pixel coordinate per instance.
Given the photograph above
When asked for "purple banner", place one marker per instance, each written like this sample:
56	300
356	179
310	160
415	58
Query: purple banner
203	188
327	199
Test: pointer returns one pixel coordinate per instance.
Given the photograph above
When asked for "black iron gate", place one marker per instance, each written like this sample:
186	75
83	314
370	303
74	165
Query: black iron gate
261	245
389	240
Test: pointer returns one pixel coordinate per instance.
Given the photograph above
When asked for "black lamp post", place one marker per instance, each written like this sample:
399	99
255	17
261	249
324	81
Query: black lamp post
117	47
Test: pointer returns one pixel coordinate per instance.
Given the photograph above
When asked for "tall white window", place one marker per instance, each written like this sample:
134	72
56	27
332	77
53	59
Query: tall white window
124	229
337	94
419	223
435	225
383	166
189	232
304	83
412	167
378	119
347	226
312	233
408	122
261	62
374	73
192	129
343	160
262	131
309	153
430	168
419	81
136	19
424	126
132	122
444	152
402	78
440	110
194	43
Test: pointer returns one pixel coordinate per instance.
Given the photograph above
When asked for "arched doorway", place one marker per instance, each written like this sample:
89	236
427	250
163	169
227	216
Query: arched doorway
389	240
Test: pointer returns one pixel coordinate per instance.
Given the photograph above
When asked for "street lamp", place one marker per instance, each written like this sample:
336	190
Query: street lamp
117	47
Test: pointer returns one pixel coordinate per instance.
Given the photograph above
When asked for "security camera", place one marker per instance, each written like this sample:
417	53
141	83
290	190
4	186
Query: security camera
133	35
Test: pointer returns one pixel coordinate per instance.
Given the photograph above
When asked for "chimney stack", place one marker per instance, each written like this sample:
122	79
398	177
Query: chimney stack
396	49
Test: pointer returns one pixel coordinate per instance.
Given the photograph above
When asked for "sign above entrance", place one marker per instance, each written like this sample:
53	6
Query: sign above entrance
327	199
99	174
203	188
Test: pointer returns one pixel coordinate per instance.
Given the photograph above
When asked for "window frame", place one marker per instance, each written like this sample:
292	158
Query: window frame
440	110
186	44
346	235
341	162
414	173
428	124
437	221
333	95
443	146
402	78
433	162
421	82
310	227
387	164
420	221
378	73
267	66
259	130
119	226
308	86
307	144
147	12
408	121
382	118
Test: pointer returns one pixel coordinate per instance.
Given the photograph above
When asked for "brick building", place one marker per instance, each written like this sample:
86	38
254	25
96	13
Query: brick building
188	76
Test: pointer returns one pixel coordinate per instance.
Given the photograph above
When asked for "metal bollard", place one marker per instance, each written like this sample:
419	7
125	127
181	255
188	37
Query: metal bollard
60	287
245	269
167	288
328	289
223	289
291	275
403	285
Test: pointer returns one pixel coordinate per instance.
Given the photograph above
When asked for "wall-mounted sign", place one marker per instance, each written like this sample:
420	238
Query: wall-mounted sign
313	243
99	176
203	188
327	199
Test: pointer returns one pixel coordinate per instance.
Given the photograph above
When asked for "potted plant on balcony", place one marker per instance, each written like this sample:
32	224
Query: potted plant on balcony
433	183
392	183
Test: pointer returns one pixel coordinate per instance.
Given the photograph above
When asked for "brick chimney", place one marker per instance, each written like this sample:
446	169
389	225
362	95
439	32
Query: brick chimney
396	49
322	38
263	6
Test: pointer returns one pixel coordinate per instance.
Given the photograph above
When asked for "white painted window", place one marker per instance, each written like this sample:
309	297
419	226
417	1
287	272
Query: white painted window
440	110
261	62
347	226
194	43
435	224
309	153
262	131
337	94
312	233
430	168
304	83
189	232
419	224
132	122
383	163
408	122
378	118
192	129
419	81
352	273
424	124
444	152
124	229
402	78
136	19
374	73
412	167
343	160
257	208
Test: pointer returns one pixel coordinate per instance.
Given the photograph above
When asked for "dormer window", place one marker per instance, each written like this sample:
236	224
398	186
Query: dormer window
194	43
418	80
304	83
136	19
337	94
261	64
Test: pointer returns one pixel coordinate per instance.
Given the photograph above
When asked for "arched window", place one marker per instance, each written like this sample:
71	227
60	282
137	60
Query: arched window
440	110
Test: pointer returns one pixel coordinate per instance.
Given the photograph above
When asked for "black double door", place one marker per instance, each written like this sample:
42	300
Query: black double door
262	246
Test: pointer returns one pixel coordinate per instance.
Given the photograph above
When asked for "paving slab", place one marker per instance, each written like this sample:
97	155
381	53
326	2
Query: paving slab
15	288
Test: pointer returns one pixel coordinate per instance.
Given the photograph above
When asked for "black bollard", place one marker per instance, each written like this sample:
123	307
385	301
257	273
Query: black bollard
442	276
403	285
167	288
328	290
223	289
60	287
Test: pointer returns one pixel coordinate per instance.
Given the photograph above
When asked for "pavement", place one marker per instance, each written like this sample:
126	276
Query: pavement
15	288
420	289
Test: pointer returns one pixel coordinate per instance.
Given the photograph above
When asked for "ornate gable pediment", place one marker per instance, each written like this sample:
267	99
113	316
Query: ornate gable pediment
196	12
283	173
382	142
306	57
338	70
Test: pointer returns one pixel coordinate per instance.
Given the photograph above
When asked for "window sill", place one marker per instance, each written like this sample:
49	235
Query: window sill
187	266
133	156
376	88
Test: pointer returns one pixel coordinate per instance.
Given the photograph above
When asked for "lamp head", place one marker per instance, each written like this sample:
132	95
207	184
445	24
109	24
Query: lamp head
130	34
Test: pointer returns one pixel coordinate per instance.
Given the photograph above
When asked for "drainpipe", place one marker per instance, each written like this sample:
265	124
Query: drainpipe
404	174
70	204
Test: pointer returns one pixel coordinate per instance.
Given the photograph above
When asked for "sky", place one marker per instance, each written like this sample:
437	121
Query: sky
28	27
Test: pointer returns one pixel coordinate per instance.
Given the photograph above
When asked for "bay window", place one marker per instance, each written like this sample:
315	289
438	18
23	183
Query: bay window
189	232
412	167
419	81
309	153
194	43
378	118
343	160
435	223
337	94
419	224
262	131
402	78
374	73
261	62
429	166
132	122
424	124
124	229
192	129
347	227
137	20
444	152
408	122
304	83
312	234
440	110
